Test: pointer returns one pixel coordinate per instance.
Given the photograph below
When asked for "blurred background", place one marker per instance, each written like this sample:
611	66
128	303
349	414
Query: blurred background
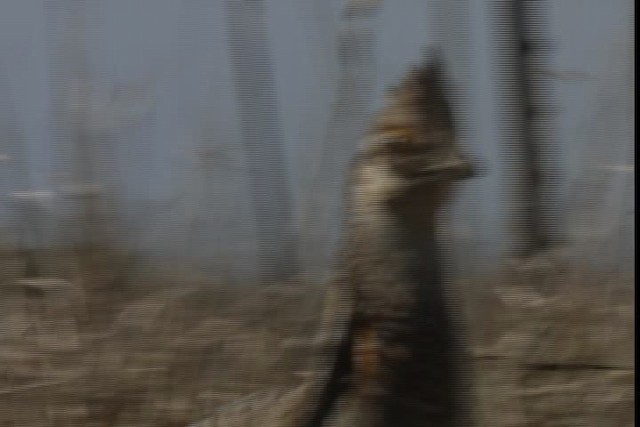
171	182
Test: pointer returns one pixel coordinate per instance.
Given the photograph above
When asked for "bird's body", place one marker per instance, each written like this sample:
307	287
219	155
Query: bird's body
396	352
390	353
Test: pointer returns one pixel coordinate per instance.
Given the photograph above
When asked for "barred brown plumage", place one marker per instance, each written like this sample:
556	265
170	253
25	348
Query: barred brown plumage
397	351
389	353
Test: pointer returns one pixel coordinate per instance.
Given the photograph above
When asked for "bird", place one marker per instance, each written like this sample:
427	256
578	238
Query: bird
389	352
395	348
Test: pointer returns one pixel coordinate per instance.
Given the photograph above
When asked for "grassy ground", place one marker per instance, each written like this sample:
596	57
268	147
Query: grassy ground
99	344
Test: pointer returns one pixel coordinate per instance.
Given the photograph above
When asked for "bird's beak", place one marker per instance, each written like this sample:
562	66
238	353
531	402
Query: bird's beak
457	168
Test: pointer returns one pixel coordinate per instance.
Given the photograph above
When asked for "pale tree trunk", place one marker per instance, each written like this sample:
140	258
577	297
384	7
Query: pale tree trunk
262	138
322	210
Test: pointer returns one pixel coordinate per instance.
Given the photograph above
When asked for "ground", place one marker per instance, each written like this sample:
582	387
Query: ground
89	347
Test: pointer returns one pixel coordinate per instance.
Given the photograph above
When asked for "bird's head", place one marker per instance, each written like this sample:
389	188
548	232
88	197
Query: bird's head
411	147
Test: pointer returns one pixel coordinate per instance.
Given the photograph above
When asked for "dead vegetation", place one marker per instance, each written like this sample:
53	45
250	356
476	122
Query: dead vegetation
83	346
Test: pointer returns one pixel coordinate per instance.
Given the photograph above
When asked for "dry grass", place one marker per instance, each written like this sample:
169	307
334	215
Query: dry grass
117	346
143	351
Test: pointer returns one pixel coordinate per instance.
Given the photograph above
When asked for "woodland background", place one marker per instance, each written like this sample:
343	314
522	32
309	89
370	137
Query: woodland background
170	201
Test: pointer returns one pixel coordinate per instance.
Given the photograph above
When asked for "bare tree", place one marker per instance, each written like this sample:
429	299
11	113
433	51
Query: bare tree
322	210
253	71
19	200
73	143
526	112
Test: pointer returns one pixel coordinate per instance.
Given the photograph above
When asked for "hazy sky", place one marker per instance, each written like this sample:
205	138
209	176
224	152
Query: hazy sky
177	52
